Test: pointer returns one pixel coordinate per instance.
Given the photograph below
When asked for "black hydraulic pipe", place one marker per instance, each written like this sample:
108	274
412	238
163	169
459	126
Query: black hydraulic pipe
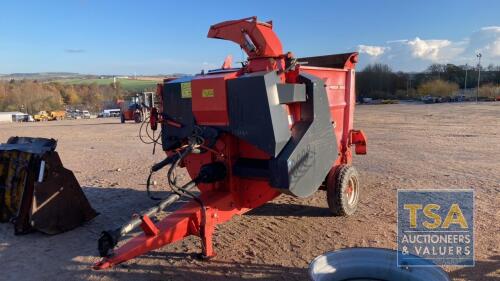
169	160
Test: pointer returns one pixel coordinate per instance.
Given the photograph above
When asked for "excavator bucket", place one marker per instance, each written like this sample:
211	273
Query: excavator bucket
36	191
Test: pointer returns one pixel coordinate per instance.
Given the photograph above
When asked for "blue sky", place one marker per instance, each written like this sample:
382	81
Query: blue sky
151	37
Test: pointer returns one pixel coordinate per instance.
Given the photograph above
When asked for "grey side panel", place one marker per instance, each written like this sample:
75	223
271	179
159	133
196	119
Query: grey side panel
177	109
289	93
307	158
255	114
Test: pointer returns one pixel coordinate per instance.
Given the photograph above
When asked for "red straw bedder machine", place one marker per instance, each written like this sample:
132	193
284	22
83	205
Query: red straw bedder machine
278	124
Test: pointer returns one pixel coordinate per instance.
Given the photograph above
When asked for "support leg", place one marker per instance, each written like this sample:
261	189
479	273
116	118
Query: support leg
176	226
206	238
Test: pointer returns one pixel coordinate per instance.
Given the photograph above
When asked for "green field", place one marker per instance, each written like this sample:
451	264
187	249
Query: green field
130	85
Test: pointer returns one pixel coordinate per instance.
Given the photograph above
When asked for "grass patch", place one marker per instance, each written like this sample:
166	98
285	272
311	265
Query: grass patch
130	85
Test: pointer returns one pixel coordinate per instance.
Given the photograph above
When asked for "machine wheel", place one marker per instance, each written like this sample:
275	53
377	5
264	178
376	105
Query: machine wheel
122	118
342	190
137	117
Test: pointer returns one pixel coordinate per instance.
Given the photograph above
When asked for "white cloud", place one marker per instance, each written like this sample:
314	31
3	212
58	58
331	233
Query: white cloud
487	41
428	49
491	28
397	41
416	54
373	51
493	48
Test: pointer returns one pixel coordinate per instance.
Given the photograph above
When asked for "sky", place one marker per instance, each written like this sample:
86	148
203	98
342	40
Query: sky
161	37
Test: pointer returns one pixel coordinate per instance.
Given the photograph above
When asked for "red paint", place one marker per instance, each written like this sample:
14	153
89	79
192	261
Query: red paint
149	227
153	119
358	139
261	35
209	99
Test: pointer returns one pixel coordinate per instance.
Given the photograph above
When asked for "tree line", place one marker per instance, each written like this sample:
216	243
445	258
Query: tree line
31	96
378	81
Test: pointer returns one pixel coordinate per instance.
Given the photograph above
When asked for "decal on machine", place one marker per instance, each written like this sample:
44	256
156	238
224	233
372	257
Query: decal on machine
186	90
207	93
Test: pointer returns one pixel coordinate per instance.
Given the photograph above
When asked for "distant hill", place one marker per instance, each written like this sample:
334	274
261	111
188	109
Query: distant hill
42	76
55	76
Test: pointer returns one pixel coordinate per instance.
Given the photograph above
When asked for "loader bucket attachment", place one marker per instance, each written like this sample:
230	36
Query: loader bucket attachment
36	191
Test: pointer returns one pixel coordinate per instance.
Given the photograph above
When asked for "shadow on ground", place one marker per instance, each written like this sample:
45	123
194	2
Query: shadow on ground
116	206
490	270
289	210
182	266
185	266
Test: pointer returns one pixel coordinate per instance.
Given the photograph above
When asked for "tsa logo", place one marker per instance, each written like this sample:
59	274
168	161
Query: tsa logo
437	225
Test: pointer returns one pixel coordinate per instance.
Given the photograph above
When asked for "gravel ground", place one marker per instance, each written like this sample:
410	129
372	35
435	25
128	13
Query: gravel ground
409	146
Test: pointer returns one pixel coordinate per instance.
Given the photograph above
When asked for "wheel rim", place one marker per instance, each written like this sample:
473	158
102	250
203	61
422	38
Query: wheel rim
351	192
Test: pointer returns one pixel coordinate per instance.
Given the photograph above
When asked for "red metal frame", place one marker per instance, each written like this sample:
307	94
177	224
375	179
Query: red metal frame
223	200
234	195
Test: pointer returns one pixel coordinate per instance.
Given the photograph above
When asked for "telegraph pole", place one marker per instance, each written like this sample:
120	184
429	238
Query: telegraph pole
478	74
465	82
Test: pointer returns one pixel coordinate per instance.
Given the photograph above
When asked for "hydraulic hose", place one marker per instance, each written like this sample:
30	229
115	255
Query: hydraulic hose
172	159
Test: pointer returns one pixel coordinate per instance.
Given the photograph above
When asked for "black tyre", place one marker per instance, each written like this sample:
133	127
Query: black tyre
138	117
122	118
343	190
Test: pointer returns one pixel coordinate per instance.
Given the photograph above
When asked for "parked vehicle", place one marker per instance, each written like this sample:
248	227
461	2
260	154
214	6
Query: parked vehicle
111	113
24	117
137	107
459	98
85	114
41	116
57	115
431	99
74	114
49	115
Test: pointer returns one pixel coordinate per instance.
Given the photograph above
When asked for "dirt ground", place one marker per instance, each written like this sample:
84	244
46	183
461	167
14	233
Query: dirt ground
410	146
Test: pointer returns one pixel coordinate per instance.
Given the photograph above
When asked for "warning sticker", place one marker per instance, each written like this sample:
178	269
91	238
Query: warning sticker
186	90
207	93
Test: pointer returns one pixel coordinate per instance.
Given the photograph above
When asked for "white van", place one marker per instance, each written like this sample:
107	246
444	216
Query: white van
85	114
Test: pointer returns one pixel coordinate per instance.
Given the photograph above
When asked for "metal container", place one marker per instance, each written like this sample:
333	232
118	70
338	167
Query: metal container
365	264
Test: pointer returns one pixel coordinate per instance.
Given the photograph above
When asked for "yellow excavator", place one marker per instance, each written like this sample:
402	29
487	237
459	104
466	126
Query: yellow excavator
50	115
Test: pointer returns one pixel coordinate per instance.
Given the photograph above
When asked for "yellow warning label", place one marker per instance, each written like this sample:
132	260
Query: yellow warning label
207	93
186	90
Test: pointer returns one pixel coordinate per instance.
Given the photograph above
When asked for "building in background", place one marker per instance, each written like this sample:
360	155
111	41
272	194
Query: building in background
14	116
